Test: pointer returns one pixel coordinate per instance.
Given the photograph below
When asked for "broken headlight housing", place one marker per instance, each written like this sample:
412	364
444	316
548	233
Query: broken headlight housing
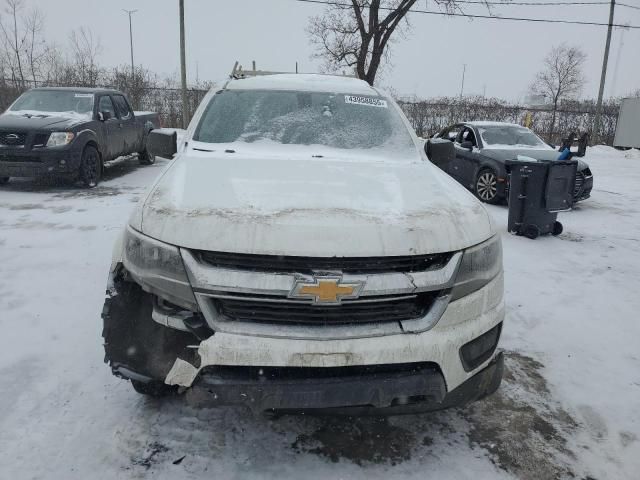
479	265
158	268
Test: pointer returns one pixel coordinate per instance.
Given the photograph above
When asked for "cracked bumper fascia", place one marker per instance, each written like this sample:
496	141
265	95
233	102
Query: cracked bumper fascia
462	321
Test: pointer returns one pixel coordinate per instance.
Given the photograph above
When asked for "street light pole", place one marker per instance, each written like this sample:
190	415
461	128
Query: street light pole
183	69
131	39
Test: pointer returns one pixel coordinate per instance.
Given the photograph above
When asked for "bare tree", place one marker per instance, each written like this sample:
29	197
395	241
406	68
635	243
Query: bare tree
12	40
22	48
560	79
356	34
36	50
85	50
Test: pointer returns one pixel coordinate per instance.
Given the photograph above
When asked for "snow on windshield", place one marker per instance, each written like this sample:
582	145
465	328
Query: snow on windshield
336	121
511	136
54	103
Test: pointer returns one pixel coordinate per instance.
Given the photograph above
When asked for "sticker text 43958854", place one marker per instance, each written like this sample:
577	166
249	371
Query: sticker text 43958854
368	101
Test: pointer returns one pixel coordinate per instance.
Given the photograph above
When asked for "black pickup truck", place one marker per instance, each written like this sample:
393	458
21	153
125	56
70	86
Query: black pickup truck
71	132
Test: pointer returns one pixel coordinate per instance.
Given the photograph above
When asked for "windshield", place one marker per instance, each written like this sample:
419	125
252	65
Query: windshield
331	120
54	102
510	136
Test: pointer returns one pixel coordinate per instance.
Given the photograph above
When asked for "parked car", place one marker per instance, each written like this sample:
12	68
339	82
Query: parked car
482	148
300	252
71	132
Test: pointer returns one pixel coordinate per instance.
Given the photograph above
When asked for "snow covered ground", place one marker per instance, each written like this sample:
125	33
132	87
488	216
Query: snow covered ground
569	406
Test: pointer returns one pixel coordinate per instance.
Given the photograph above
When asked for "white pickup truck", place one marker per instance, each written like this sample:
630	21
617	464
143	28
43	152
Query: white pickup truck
301	253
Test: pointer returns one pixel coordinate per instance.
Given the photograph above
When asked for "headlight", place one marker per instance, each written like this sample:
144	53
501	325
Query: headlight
58	139
158	268
479	265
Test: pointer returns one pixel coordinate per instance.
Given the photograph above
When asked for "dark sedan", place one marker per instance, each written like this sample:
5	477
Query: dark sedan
482	148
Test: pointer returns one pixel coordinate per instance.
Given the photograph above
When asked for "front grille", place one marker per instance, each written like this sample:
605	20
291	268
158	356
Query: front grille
355	265
13	139
364	310
577	189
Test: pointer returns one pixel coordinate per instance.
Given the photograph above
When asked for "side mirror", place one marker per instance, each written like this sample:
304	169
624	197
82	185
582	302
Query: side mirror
467	145
162	143
440	152
104	116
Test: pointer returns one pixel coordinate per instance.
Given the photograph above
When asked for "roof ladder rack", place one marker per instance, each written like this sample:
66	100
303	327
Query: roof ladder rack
238	72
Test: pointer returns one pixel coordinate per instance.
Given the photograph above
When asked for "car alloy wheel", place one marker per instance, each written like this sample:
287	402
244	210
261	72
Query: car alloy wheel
487	186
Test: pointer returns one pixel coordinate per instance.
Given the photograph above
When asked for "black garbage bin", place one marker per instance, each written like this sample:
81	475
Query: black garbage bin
537	192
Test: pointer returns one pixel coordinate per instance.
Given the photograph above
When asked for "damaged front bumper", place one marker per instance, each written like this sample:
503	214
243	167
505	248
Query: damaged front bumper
395	373
391	390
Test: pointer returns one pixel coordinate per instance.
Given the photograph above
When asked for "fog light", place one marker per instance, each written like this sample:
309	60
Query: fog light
63	162
479	350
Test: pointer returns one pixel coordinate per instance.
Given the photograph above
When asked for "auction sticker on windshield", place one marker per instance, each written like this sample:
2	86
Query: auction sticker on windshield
368	101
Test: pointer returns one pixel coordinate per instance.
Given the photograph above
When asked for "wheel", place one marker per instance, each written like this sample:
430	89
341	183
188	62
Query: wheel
4	180
532	232
152	389
145	158
557	228
486	187
90	167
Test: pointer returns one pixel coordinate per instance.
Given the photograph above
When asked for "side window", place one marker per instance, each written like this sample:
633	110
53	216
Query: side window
123	107
106	105
469	136
452	133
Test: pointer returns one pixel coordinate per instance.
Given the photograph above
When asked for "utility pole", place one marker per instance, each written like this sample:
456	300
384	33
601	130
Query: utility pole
183	70
464	69
131	39
603	76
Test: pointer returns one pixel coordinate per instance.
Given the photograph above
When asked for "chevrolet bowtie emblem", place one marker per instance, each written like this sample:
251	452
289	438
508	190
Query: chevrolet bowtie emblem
325	290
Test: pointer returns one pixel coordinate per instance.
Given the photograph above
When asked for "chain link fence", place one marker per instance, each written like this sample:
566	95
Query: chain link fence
426	116
430	116
167	101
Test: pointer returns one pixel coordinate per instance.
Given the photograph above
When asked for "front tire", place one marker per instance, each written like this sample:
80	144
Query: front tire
145	158
153	389
4	180
486	186
90	167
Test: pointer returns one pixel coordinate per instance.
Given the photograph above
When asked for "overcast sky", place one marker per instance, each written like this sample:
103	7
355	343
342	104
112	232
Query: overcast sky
501	56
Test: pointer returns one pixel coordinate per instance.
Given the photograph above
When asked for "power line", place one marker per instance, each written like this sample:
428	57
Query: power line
635	7
484	17
530	4
543	4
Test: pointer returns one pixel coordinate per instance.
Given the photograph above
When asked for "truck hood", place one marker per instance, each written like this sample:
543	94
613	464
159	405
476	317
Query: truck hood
32	122
310	207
